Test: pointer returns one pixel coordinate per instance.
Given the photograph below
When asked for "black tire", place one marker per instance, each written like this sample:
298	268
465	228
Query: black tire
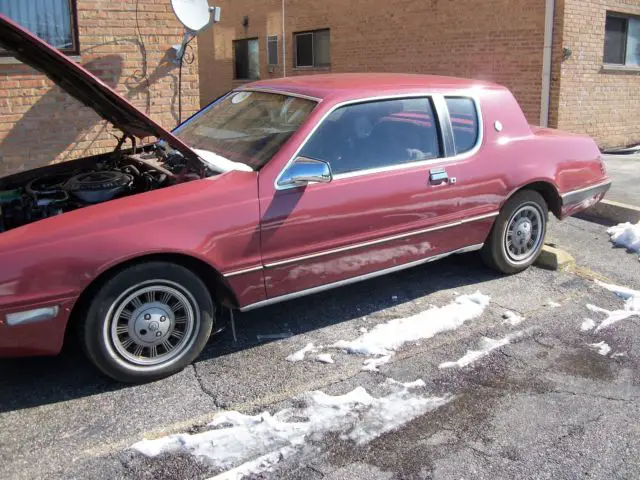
189	326
495	253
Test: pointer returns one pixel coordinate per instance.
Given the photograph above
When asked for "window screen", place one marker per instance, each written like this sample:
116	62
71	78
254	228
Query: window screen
464	122
376	134
51	20
272	50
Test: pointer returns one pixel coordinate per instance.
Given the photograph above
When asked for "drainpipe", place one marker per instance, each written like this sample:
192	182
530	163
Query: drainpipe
546	62
284	45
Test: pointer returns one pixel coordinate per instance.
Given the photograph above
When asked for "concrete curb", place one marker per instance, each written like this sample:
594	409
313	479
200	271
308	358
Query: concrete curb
552	258
615	211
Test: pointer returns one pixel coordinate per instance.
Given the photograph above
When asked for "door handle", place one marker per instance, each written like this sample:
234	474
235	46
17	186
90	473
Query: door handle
438	176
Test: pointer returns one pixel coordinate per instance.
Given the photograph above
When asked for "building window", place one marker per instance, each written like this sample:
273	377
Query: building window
312	49
272	50
622	40
246	55
54	21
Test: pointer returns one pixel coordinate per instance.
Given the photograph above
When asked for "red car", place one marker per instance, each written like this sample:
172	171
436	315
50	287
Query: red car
279	189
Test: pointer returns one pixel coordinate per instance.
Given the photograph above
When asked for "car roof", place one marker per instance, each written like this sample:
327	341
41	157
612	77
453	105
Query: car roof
345	86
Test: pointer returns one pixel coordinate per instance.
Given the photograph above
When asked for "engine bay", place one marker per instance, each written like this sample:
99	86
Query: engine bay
56	190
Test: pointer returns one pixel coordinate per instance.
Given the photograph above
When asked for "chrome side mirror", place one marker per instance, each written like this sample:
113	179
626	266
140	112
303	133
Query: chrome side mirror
304	171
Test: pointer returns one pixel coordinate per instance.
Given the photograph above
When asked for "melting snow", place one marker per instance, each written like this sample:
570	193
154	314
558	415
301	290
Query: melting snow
324	358
552	304
252	444
384	339
374	364
299	355
587	325
512	318
631	305
601	347
626	235
487	345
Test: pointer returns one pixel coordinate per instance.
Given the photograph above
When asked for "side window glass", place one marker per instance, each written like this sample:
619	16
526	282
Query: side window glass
376	134
464	121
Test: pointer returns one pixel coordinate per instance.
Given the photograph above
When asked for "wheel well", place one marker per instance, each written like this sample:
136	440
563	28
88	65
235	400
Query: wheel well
220	290
550	195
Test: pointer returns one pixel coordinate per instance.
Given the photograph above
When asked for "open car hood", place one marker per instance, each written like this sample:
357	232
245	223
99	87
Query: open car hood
84	86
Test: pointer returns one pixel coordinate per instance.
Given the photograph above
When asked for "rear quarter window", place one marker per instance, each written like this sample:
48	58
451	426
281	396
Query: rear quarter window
464	122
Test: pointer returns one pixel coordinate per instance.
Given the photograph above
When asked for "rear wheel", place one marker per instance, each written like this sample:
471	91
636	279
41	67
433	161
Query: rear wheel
518	234
147	322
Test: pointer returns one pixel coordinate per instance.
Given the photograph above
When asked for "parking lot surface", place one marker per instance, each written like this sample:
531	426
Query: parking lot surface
557	397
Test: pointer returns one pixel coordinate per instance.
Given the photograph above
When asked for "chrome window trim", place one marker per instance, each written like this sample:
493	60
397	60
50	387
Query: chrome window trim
584	189
442	159
367	276
378	241
235	273
277	92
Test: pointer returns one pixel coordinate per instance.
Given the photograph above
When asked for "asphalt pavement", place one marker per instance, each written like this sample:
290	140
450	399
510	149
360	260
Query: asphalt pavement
624	170
544	406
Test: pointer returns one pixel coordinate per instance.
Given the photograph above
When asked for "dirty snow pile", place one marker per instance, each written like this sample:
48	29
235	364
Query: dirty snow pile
512	318
487	345
383	340
631	308
602	347
626	235
249	445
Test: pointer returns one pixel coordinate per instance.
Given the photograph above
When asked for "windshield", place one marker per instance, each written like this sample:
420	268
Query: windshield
246	127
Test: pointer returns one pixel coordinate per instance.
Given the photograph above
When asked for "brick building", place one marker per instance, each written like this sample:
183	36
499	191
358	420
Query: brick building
591	59
127	43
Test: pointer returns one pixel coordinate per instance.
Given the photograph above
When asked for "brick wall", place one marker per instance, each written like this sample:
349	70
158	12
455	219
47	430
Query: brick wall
592	99
40	123
499	40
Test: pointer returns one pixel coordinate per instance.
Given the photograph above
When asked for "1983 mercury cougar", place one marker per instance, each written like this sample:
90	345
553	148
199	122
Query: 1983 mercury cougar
279	189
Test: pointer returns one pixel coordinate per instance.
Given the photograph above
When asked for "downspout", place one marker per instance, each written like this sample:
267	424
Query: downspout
545	98
284	45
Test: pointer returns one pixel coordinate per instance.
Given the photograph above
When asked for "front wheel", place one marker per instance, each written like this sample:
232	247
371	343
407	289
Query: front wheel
518	234
147	322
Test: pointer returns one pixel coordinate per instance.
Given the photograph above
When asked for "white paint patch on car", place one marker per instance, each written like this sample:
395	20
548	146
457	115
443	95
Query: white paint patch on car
246	445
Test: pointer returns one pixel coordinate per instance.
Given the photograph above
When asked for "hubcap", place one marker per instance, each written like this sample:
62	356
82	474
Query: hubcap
152	324
524	234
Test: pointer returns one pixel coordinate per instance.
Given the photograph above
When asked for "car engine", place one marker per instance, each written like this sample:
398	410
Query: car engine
50	194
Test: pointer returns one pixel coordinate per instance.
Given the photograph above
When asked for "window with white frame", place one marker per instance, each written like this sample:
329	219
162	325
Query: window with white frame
622	40
54	21
312	49
272	50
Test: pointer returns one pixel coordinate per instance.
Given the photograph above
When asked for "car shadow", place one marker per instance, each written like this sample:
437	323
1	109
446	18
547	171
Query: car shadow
32	382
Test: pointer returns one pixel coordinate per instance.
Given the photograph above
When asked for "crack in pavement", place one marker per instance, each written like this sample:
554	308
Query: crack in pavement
595	395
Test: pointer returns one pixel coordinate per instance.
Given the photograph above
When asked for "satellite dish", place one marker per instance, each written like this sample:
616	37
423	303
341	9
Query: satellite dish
196	16
193	14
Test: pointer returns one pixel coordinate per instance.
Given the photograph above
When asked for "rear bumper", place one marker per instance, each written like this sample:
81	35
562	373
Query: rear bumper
35	333
578	200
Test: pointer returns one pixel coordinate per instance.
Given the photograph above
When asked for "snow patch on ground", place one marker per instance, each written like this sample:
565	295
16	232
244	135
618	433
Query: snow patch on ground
374	364
300	354
626	235
587	325
602	348
631	305
512	318
384	339
248	445
324	358
552	304
487	345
